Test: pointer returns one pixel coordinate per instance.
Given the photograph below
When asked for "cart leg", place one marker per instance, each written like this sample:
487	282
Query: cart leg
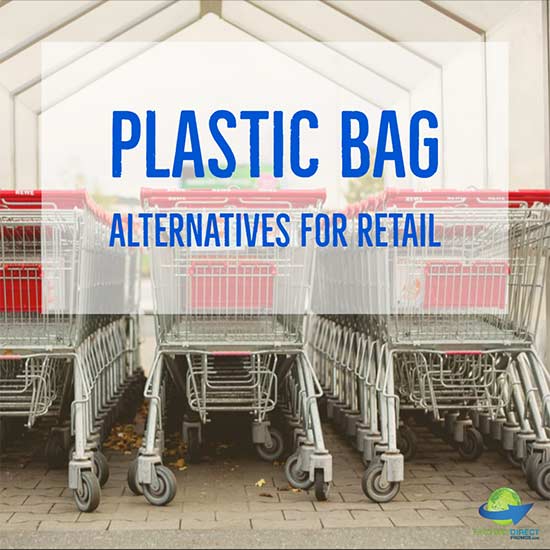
381	480
511	428
150	453
373	436
83	482
320	467
532	393
393	455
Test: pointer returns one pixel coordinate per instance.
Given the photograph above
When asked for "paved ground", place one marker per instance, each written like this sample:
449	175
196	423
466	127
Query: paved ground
222	494
373	537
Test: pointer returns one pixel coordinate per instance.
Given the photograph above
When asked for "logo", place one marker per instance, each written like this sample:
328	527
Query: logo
504	507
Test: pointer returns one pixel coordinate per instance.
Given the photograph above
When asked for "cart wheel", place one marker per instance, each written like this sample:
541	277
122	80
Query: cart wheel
88	496
407	442
101	468
272	452
56	453
299	479
541	480
472	447
531	466
131	478
322	487
375	488
163	490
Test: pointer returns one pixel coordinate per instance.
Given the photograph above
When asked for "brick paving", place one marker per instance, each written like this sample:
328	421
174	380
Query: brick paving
221	493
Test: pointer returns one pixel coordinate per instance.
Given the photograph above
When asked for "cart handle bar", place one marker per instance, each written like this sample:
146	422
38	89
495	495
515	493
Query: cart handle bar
39	199
248	198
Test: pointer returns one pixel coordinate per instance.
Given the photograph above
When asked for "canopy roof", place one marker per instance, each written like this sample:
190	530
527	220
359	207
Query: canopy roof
411	29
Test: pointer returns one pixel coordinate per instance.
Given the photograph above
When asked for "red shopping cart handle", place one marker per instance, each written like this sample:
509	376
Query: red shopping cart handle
442	198
21	268
246	198
409	199
10	357
40	199
530	196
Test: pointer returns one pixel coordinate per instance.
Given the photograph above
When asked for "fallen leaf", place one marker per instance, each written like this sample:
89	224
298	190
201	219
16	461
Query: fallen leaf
260	482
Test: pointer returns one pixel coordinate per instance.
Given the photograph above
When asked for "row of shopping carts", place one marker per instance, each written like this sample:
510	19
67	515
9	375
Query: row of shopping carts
68	356
230	327
441	335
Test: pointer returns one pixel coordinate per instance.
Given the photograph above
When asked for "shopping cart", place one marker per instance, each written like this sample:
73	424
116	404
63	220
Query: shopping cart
449	336
230	323
63	357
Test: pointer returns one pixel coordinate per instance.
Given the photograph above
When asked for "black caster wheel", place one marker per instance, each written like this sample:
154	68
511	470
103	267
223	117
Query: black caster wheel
299	479
274	451
163	490
193	454
541	480
88	496
55	451
131	478
101	468
322	487
407	442
530	466
375	487
472	447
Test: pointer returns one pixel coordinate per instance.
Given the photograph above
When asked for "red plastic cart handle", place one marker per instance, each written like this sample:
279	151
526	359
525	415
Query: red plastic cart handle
245	198
531	196
51	200
444	198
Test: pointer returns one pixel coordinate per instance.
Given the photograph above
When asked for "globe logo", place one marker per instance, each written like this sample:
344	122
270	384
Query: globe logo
504	507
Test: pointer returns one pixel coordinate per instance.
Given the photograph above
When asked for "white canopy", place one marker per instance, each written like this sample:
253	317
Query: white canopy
411	28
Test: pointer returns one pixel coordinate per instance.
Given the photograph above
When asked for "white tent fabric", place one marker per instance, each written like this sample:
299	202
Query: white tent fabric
412	29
